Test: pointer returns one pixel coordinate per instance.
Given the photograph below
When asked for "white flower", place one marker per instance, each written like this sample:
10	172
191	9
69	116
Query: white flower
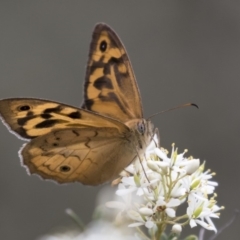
158	186
168	206
201	210
130	186
149	193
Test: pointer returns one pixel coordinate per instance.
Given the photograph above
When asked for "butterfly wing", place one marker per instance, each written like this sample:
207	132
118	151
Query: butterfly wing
68	144
110	85
90	156
30	118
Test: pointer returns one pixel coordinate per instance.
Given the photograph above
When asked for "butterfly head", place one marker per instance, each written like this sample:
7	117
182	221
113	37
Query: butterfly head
142	131
145	127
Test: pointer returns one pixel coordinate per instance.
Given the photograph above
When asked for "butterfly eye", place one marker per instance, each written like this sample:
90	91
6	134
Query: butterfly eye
103	46
23	108
65	168
141	127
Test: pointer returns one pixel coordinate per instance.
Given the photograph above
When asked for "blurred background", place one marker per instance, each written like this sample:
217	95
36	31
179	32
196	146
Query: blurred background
181	51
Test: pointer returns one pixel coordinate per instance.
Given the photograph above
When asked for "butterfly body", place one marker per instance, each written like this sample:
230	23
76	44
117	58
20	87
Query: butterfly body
92	144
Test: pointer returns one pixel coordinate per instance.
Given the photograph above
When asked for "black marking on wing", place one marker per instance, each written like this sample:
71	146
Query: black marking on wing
53	110
103	46
96	134
30	113
65	168
49	123
88	104
95	65
22	121
86	143
113	61
23	133
112	97
23	108
75	115
46	115
75	132
103	82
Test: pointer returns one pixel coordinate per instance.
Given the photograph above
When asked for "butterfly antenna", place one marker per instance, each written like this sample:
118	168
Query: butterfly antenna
174	108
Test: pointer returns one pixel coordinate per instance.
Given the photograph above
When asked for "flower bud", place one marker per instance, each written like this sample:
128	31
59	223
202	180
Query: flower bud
177	228
146	211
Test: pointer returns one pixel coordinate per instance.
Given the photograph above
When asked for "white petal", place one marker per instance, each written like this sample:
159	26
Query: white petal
130	168
128	181
179	170
216	208
180	158
146	211
170	212
140	192
209	220
173	202
192	223
178	191
192	166
149	224
153	165
163	165
135	216
162	155
212	183
205	225
190	211
160	202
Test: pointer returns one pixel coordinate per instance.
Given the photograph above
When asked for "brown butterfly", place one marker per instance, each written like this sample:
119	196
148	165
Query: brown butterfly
92	144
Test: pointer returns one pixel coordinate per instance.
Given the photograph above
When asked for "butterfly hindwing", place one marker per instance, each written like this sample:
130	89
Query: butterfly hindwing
90	155
110	85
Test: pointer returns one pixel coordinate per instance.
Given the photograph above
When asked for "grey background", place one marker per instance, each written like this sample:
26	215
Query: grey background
181	51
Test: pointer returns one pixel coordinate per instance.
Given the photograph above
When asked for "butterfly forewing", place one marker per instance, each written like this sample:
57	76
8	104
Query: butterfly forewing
110	85
30	118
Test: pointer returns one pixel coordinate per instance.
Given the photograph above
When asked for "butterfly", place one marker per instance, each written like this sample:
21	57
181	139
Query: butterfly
91	144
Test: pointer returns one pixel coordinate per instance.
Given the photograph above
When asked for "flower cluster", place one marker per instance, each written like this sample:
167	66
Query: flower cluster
151	191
